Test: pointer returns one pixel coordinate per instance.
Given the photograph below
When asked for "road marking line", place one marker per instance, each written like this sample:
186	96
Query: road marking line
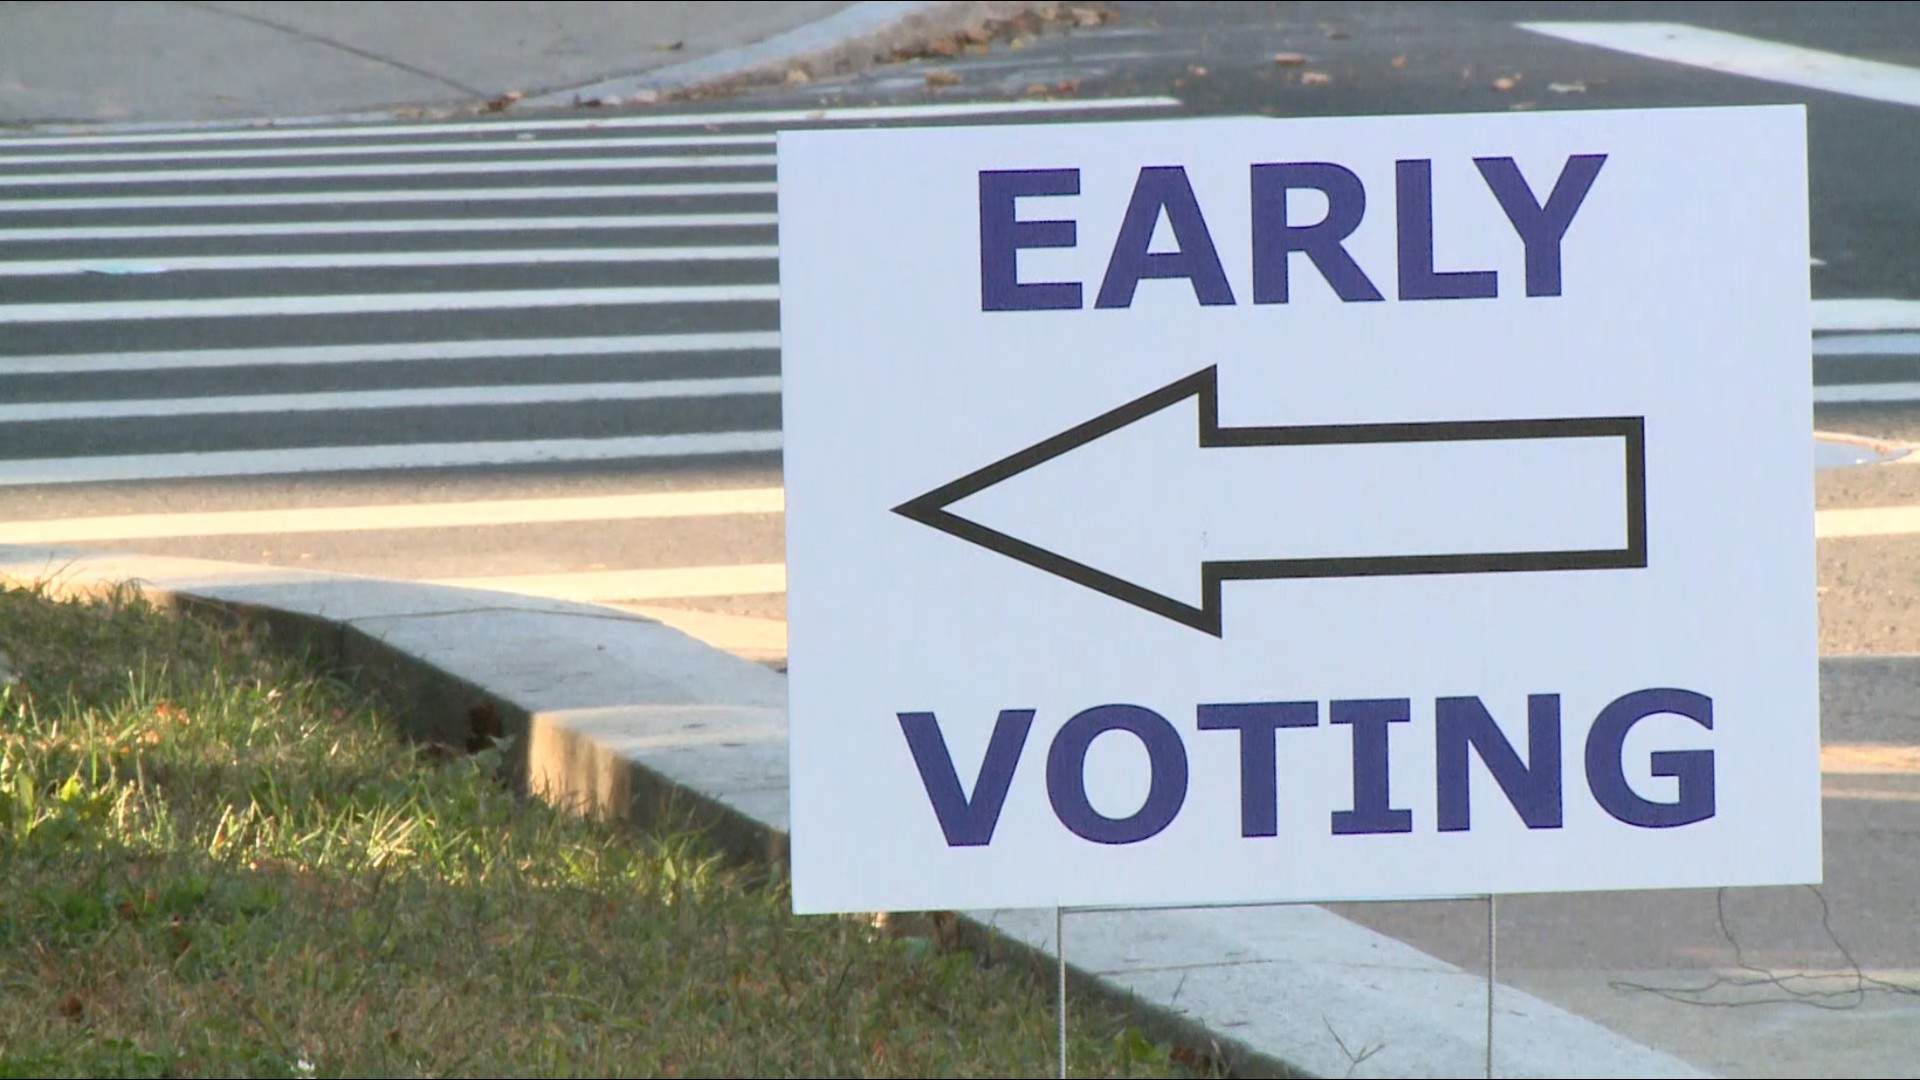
490	146
596	586
403	195
1873	521
375	518
227	307
325	459
416	225
340	260
1735	54
399	352
1869	759
1866	393
434	397
1881	344
849	115
342	172
1834	789
1830	316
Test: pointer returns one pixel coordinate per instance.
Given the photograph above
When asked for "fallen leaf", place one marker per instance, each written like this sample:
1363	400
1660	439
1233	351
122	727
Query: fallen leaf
944	48
1086	16
979	50
645	97
1289	59
71	1006
671	46
1315	78
1066	86
505	101
1197	71
979	35
1037	90
798	77
942	78
1400	61
1567	87
1505	83
1337	34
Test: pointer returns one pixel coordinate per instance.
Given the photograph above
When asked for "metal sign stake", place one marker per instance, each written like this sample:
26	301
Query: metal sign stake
1492	943
1060	950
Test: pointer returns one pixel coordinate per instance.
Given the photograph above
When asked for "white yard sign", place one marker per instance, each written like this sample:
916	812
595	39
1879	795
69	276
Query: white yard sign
1237	510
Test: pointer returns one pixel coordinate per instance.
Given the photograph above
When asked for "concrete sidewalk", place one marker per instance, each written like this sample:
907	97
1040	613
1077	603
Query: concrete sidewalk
133	62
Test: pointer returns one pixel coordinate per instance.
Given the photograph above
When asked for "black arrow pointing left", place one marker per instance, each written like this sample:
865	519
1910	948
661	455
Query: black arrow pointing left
932	508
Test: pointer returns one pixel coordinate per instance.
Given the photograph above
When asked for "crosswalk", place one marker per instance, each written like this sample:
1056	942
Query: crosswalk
536	355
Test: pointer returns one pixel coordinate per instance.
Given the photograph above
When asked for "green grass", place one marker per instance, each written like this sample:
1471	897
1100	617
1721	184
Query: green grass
217	863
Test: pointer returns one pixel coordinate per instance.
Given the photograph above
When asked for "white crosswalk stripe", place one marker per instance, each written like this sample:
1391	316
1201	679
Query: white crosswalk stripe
227	307
344	172
369	228
366	260
443	196
389	352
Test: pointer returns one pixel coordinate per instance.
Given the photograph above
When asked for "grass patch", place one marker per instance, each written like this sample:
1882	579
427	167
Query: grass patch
217	863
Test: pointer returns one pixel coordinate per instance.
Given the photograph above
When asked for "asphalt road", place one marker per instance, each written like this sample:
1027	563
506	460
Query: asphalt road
477	320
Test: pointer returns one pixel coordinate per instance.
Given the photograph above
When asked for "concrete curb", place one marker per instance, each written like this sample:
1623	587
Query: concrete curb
850	38
841	41
623	716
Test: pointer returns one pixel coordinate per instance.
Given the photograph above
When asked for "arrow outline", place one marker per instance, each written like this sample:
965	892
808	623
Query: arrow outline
931	510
